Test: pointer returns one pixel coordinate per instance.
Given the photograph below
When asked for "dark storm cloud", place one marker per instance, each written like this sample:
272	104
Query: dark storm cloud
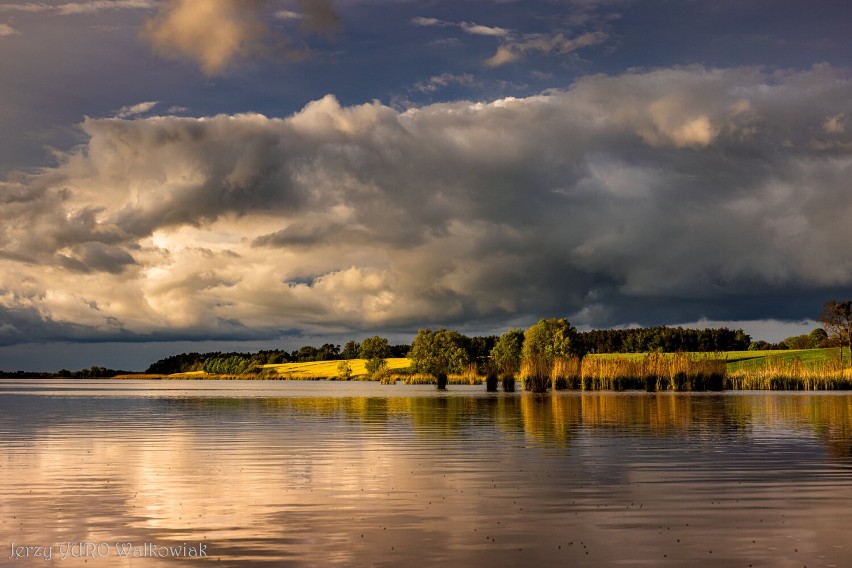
307	234
97	257
659	196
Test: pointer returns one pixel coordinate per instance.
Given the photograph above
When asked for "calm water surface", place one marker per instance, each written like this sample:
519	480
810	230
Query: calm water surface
360	474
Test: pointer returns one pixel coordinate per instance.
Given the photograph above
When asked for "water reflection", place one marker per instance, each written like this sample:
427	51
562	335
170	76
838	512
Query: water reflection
365	474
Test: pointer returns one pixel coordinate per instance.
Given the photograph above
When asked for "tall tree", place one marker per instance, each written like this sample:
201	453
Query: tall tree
329	352
836	318
375	350
544	343
351	349
817	337
505	356
375	347
438	353
307	353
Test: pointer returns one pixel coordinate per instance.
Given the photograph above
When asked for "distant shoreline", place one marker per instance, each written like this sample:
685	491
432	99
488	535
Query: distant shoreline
790	370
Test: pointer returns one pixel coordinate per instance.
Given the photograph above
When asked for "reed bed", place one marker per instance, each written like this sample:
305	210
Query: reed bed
686	372
465	378
653	372
780	374
141	376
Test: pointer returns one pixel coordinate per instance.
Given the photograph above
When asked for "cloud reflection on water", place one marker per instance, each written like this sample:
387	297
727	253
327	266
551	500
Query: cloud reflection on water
460	478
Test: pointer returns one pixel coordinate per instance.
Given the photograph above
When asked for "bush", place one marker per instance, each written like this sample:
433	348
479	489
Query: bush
344	371
376	367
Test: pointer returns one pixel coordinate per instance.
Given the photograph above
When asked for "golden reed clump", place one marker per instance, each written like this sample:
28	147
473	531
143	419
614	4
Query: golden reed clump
654	371
683	372
780	374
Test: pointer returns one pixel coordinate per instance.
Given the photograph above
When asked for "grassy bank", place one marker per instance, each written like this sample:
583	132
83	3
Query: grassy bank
804	369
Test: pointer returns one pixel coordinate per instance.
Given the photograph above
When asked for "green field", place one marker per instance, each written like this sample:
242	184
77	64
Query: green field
751	360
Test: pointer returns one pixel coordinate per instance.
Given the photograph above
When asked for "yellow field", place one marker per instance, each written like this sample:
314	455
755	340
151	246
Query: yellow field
328	369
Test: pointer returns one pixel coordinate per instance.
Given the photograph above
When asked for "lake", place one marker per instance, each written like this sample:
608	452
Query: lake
289	473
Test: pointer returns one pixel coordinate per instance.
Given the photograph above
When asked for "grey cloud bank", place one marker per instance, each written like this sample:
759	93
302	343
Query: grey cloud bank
651	197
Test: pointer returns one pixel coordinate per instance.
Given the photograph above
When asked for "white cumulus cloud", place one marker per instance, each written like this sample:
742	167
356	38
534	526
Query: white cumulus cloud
672	194
130	111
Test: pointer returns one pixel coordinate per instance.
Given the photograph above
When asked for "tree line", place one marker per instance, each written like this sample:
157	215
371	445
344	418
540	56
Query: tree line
532	353
463	350
93	372
442	352
241	362
665	339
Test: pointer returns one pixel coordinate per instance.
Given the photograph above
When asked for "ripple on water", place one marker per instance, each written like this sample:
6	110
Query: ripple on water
356	474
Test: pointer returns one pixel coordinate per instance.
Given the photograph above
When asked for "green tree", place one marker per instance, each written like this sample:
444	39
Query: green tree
328	352
438	353
375	347
233	365
740	342
544	343
836	318
376	367
478	350
375	350
307	353
798	342
351	349
818	337
505	356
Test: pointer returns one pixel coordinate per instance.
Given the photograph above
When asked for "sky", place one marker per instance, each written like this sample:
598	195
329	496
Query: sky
196	175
